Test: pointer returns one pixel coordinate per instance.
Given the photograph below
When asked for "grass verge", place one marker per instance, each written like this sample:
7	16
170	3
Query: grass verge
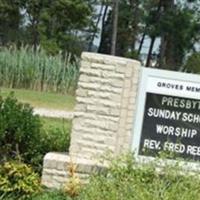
56	123
42	99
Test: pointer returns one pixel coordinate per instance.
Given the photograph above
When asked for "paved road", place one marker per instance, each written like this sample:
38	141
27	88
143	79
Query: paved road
54	113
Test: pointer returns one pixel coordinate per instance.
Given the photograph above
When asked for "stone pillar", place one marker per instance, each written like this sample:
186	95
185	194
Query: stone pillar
104	115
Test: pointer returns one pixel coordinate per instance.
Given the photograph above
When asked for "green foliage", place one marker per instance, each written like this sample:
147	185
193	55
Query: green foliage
10	21
50	24
52	195
129	17
55	134
23	137
19	129
182	39
161	19
18	181
126	180
24	68
55	137
132	55
59	22
193	63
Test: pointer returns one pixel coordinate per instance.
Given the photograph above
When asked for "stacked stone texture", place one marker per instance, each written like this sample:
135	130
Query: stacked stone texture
104	115
105	106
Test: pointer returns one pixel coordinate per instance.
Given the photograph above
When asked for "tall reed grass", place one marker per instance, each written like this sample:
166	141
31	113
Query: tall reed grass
29	69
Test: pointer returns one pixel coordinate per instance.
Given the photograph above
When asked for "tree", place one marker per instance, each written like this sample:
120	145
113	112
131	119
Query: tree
176	24
151	22
97	19
114	26
176	43
129	17
105	42
10	21
61	22
33	10
129	27
55	25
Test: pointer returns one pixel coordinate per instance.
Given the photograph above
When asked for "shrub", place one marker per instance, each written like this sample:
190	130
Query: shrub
19	129
22	135
53	138
18	181
126	180
56	134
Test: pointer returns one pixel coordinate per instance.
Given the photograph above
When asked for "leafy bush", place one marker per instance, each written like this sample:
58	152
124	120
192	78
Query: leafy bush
56	134
19	129
18	181
126	180
53	138
22	135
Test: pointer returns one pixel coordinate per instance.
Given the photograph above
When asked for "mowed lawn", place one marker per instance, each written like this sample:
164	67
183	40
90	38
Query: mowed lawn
58	123
38	99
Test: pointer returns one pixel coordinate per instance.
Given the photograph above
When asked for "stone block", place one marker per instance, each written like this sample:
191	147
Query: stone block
92	86
109	103
80	107
125	103
103	66
98	109
98	80
85	100
129	119
126	93
99	94
127	83
129	71
81	92
117	83
112	75
84	78
85	64
121	69
114	112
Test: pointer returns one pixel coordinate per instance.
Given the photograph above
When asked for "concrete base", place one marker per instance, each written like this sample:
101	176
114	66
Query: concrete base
55	169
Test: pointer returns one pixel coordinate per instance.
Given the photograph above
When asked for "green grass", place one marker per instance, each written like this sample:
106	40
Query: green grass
52	195
56	123
42	99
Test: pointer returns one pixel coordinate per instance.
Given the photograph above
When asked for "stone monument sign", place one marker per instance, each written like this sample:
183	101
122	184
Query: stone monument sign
121	106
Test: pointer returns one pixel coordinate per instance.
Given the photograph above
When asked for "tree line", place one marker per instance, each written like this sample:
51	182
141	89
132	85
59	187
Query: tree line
123	26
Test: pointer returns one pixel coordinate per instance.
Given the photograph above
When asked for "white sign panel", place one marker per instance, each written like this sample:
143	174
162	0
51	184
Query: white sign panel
168	115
